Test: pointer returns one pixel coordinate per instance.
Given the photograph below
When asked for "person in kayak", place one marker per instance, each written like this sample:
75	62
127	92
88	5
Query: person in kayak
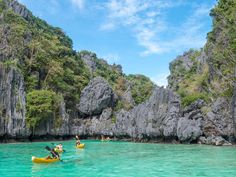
59	147
55	155
77	140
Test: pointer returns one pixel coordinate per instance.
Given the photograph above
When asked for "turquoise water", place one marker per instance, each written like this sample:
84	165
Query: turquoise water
120	159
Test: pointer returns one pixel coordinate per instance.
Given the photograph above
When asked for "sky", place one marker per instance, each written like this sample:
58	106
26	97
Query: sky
143	36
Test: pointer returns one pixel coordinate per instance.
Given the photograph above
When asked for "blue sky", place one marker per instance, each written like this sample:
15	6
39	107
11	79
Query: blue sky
141	35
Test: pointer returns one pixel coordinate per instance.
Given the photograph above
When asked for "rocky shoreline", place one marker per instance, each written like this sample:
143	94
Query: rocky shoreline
215	141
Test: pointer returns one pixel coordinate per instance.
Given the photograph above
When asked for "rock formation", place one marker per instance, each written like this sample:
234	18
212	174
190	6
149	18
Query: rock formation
97	96
12	103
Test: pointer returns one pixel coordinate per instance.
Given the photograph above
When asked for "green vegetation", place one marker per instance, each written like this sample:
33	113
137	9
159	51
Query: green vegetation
141	86
221	48
188	99
41	105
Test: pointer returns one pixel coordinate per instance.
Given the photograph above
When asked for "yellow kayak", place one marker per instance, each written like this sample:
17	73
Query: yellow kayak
80	146
58	150
43	160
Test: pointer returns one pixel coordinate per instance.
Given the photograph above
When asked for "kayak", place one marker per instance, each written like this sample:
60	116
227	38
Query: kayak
105	140
58	150
43	160
80	146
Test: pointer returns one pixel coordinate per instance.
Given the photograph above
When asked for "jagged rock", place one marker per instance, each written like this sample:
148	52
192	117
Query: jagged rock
127	96
158	115
188	130
202	140
194	106
184	63
118	68
95	97
94	126
18	8
103	124
213	140
125	124
190	125
216	140
219	121
12	103
170	122
89	60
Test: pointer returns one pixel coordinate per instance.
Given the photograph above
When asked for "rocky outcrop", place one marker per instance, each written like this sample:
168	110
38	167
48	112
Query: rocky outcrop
127	95
188	130
179	67
190	124
18	8
118	68
151	119
89	59
219	120
12	103
94	126
97	96
213	140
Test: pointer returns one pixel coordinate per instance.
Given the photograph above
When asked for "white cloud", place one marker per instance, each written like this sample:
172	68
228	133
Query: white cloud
78	3
160	79
107	26
146	20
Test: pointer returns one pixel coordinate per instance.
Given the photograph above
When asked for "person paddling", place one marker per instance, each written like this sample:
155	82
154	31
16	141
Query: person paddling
55	155
59	147
78	140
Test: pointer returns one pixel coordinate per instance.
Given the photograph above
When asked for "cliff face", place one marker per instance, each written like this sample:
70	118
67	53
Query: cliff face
209	74
12	103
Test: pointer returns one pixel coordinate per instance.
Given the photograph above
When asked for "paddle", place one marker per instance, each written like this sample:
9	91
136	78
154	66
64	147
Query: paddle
48	148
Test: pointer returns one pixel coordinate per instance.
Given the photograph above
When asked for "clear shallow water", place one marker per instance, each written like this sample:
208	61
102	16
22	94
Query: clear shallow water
120	159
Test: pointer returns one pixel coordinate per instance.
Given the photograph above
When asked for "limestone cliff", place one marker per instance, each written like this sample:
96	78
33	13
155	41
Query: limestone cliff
12	103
